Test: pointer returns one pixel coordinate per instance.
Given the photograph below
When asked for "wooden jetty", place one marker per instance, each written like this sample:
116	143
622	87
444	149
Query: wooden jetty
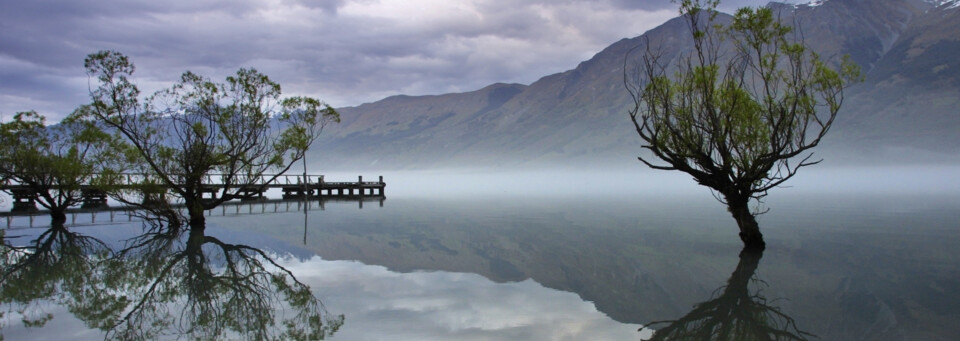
292	187
230	208
322	188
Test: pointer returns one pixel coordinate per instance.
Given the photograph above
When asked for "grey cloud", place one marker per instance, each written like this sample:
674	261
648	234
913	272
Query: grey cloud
329	6
318	48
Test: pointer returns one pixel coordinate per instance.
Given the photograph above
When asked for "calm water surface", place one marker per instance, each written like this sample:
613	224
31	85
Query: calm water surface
838	267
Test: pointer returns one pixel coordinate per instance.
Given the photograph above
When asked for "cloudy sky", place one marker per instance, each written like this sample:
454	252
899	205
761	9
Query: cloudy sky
345	52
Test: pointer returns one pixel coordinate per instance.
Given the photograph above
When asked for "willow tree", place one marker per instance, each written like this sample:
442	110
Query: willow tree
55	162
740	110
201	135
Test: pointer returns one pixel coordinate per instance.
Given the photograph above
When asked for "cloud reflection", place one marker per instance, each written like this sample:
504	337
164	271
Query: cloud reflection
381	304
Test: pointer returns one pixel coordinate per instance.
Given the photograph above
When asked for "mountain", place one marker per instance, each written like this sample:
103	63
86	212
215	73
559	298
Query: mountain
908	103
911	97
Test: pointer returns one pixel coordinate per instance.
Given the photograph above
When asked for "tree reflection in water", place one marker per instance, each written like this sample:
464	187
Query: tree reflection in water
734	314
38	273
170	281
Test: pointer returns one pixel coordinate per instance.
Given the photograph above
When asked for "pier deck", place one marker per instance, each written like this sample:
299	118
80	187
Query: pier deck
292	187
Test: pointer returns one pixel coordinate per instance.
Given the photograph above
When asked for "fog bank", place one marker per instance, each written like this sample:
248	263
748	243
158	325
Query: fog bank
868	180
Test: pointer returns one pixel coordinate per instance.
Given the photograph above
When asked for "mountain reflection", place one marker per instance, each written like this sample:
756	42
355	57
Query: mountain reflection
735	313
170	281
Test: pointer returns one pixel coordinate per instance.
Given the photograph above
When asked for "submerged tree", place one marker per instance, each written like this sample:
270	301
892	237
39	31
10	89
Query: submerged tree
55	162
740	111
200	133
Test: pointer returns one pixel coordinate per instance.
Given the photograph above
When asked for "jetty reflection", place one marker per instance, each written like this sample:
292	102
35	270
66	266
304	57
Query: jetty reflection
169	280
735	313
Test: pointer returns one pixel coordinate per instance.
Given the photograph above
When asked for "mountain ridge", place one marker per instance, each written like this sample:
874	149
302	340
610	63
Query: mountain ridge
578	117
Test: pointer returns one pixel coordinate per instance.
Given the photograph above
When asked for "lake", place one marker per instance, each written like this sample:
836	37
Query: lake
593	263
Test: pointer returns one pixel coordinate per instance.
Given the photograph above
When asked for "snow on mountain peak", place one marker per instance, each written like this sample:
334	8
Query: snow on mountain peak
813	3
941	4
945	4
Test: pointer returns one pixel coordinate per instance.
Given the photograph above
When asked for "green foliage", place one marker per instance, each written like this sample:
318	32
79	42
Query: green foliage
54	161
740	110
201	132
734	114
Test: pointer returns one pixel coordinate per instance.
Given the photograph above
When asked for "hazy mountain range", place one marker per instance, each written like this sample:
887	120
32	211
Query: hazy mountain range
908	107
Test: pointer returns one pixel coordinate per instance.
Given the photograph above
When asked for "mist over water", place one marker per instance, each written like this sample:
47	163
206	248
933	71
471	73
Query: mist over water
622	181
530	183
466	253
640	181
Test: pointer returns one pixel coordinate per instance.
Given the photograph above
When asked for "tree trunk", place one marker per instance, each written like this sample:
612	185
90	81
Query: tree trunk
197	220
749	229
749	261
58	216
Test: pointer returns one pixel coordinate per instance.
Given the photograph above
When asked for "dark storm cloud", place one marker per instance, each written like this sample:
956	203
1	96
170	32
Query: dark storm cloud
345	51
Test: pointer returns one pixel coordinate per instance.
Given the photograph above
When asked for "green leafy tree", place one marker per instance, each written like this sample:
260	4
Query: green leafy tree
740	110
55	162
236	135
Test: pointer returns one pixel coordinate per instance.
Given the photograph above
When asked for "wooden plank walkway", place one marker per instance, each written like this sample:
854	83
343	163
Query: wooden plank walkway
292	187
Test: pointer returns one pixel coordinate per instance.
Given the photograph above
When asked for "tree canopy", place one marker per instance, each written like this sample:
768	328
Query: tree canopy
740	109
54	161
238	134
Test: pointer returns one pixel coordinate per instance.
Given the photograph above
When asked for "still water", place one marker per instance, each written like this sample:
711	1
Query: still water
564	267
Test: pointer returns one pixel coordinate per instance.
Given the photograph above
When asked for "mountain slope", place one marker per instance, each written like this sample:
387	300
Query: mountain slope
907	49
911	99
412	130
